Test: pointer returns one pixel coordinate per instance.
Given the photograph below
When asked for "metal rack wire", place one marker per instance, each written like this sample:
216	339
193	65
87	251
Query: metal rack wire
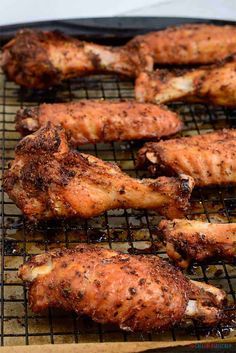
129	230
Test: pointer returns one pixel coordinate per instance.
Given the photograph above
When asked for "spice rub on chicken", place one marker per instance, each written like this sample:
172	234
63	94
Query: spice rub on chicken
39	60
189	44
214	84
137	293
91	121
210	158
48	180
190	240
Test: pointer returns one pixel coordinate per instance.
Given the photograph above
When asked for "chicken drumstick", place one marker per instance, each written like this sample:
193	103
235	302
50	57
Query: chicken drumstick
215	84
42	59
189	44
48	180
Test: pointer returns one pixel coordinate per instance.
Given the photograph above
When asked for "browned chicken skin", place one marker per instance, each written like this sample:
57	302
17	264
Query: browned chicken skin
42	59
210	159
89	121
190	44
48	180
138	293
199	241
213	84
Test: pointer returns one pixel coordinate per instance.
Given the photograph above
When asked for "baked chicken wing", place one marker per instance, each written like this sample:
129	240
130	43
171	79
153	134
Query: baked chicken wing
48	180
210	159
189	44
91	121
138	293
215	85
42	59
188	241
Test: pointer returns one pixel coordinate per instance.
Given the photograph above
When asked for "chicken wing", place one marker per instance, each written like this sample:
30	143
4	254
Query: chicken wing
189	44
199	241
42	59
210	159
138	293
215	85
48	180
90	121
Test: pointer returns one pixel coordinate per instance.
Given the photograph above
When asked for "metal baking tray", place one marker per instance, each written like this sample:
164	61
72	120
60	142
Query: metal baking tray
126	230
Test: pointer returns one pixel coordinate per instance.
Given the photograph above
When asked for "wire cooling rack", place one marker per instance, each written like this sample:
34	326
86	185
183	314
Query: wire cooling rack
126	230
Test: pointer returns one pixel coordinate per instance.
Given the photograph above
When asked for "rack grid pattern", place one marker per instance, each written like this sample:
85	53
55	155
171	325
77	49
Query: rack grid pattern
126	230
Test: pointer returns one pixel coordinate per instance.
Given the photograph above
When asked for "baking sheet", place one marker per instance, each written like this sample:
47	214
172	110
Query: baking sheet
126	230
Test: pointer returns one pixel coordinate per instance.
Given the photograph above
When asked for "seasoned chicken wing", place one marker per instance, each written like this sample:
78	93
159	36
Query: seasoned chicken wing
209	159
138	293
89	121
189	44
48	180
42	59
199	241
214	84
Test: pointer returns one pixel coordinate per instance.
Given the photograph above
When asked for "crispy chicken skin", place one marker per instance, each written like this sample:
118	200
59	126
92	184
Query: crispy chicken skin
137	293
89	121
42	59
188	241
190	44
215	84
210	159
47	180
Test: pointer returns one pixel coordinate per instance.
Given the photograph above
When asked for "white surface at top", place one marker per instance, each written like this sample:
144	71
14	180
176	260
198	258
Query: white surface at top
18	11
215	9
